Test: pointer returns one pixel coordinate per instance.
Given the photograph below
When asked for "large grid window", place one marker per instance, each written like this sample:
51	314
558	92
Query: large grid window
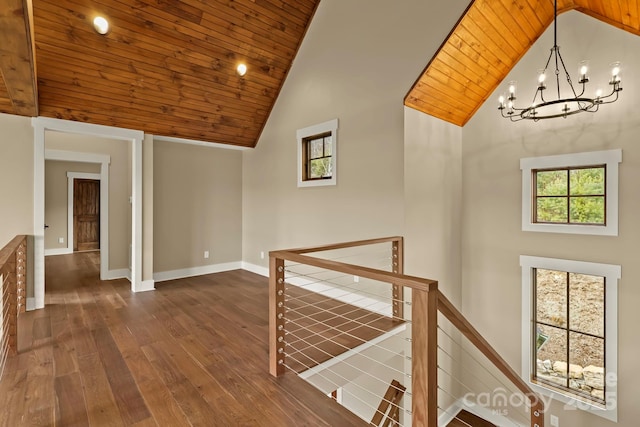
318	151
569	332
570	195
317	154
569	319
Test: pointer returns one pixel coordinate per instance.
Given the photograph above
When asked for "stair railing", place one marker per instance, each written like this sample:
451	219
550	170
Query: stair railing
425	301
13	282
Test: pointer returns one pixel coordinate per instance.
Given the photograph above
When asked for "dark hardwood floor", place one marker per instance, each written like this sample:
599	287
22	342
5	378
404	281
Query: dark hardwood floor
192	352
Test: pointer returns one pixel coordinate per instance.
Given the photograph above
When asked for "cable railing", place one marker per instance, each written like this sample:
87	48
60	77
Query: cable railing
388	346
13	283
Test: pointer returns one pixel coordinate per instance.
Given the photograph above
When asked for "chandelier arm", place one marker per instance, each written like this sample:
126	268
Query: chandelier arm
564	67
601	101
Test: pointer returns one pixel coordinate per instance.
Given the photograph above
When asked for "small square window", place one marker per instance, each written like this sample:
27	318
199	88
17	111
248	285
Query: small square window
317	154
571	193
317	157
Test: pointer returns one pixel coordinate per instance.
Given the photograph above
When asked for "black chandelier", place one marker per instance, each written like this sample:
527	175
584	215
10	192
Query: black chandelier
540	108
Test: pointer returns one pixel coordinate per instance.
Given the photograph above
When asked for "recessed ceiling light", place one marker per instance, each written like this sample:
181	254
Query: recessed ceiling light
242	69
101	25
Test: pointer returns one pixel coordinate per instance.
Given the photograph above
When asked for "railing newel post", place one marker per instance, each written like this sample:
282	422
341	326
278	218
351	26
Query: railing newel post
397	266
276	316
424	357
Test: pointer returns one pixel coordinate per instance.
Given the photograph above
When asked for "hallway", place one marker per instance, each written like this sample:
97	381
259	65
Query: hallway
192	352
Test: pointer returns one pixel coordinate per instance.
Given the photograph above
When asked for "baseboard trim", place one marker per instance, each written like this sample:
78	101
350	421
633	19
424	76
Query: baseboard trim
31	303
122	273
196	271
146	285
58	251
257	269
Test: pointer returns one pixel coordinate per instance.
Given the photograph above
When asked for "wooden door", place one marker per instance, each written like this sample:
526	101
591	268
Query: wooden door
86	214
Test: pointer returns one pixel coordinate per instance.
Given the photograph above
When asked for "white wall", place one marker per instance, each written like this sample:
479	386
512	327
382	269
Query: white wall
16	177
356	63
491	220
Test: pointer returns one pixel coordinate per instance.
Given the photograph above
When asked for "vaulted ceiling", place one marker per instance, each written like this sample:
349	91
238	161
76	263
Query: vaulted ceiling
168	67
165	67
488	41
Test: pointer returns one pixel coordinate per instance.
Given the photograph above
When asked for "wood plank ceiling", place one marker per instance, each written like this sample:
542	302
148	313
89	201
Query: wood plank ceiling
488	41
165	67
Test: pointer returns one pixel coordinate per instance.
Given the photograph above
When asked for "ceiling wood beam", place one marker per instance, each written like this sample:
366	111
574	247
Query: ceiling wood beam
17	56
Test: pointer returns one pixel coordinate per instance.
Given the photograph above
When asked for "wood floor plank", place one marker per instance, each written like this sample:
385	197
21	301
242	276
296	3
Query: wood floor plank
102	409
194	352
71	409
126	393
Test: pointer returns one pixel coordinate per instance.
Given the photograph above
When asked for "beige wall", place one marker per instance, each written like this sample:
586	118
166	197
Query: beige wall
119	186
16	177
432	201
355	64
56	201
197	205
491	221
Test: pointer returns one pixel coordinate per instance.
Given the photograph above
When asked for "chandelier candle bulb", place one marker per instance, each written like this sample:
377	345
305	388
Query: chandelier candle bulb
541	78
584	67
615	72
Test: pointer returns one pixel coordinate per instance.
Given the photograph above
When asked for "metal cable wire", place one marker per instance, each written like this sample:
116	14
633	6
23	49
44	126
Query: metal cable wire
320	310
360	290
466	387
302	339
449	412
356	385
472	373
381	254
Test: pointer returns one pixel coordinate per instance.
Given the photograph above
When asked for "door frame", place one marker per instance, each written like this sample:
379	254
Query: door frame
40	126
104	222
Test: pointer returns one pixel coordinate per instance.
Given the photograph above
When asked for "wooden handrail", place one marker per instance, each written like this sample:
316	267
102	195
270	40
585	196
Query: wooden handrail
10	248
413	282
13	270
345	245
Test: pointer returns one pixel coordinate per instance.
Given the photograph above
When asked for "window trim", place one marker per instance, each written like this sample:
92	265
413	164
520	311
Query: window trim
612	274
304	134
609	158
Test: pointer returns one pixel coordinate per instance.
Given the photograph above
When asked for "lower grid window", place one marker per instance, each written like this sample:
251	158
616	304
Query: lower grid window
569	319
569	332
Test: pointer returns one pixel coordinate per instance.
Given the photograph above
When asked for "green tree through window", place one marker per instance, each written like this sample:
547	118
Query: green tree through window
570	195
318	150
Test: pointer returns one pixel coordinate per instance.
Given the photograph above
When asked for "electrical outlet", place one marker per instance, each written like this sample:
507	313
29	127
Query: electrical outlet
206	254
262	255
554	421
356	279
60	239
